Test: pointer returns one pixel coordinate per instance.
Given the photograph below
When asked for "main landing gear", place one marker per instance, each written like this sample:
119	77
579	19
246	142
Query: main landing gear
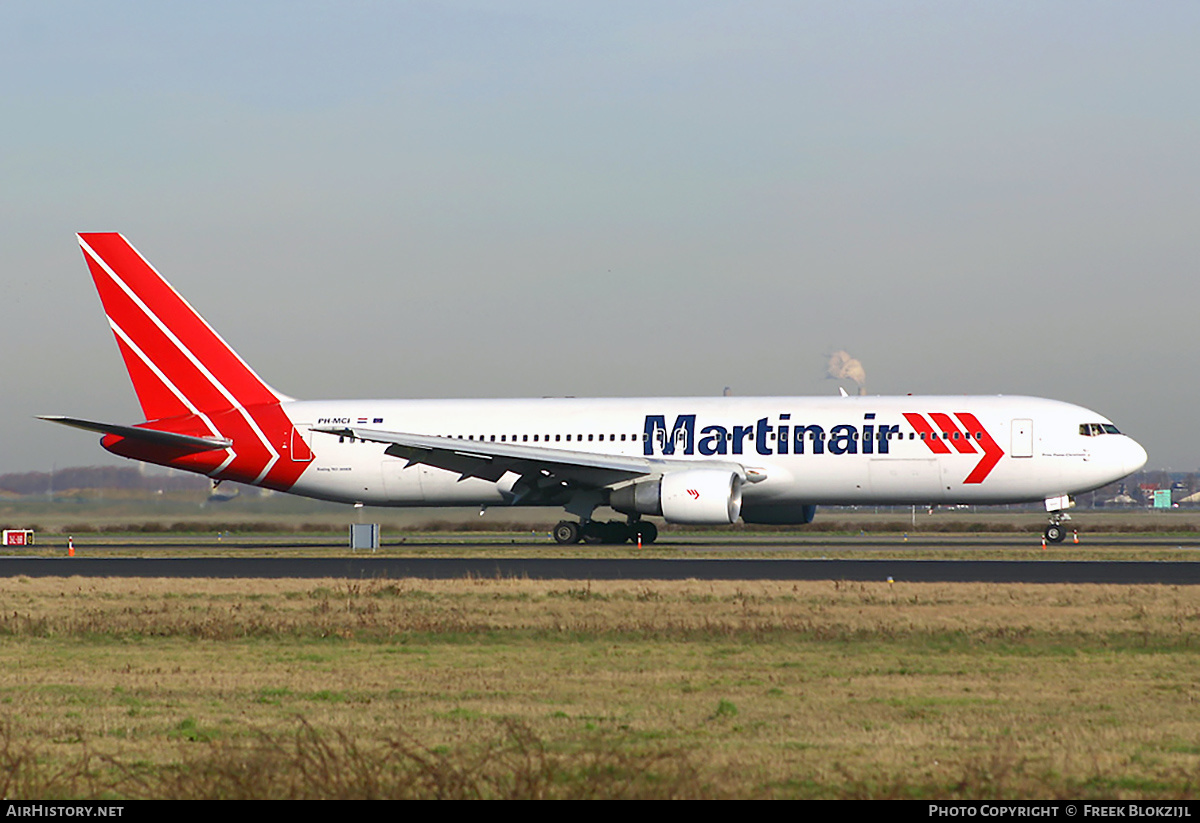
614	531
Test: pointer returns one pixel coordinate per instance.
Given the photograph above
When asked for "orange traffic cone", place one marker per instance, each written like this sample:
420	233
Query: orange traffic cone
70	546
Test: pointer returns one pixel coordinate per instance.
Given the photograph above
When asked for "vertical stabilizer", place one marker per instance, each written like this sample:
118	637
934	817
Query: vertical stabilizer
178	364
188	380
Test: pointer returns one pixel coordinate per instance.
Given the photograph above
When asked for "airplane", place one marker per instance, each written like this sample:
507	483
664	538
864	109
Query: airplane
688	460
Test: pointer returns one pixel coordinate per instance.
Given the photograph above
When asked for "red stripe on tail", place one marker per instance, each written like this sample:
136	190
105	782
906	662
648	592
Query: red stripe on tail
187	378
168	331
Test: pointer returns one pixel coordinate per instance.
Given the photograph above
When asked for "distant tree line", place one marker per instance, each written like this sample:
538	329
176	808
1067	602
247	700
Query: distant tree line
97	477
128	477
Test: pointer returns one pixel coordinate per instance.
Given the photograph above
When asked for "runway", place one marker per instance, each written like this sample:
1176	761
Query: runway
685	568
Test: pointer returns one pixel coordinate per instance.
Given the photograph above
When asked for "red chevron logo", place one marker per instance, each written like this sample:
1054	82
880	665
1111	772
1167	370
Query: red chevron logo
972	438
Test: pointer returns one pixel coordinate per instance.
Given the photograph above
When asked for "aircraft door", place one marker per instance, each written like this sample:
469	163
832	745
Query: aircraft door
1022	438
300	446
681	438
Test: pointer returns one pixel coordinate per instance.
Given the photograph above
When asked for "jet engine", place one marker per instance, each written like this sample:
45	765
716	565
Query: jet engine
696	497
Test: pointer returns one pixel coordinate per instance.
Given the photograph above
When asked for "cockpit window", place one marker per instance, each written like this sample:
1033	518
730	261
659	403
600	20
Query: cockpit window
1097	429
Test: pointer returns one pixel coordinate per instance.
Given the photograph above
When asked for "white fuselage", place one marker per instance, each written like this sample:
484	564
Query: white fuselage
854	450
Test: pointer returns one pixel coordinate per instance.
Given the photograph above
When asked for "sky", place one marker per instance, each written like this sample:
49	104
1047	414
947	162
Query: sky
491	199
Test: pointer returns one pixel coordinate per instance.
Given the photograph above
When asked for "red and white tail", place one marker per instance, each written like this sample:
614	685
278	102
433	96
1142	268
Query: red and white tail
178	364
188	380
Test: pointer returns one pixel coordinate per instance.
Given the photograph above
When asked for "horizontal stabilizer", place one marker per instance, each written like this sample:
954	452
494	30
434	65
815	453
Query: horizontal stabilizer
159	438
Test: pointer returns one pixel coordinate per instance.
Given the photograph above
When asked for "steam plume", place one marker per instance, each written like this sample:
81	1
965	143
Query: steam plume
844	367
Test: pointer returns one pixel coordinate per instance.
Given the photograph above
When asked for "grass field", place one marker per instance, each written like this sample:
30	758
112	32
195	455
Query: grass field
518	688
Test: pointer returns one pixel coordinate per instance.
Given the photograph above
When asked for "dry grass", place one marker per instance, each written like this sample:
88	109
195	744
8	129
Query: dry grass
517	688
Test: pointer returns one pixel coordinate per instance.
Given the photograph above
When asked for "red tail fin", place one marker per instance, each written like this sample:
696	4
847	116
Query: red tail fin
177	363
188	380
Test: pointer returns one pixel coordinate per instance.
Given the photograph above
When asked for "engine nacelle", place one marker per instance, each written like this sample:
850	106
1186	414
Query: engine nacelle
695	497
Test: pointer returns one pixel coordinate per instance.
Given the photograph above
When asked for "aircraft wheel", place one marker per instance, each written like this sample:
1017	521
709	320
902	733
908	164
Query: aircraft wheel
566	532
648	531
593	532
616	532
1055	533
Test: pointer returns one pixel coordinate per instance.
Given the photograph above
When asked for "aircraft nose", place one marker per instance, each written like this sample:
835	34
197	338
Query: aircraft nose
1135	456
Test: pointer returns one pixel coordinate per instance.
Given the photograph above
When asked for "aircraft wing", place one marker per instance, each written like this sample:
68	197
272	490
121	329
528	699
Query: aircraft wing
490	461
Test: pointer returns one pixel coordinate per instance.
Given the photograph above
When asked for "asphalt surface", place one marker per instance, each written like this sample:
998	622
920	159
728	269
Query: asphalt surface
449	568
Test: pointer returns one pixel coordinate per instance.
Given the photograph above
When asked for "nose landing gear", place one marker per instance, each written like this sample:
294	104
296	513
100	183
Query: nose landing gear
1057	507
1056	532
